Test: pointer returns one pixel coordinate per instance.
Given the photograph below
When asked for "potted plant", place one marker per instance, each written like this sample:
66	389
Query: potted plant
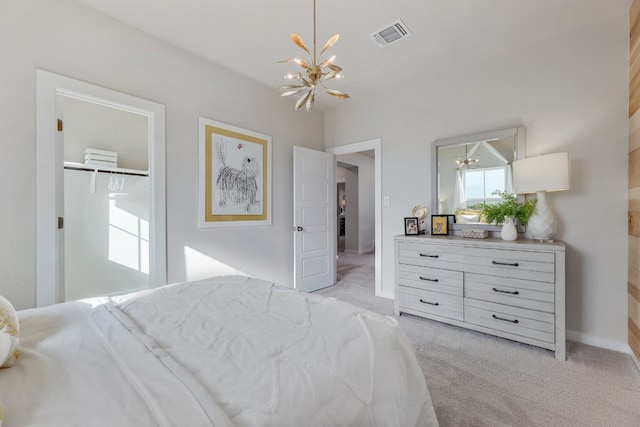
507	211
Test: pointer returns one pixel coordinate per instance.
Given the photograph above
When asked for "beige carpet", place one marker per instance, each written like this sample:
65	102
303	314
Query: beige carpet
479	380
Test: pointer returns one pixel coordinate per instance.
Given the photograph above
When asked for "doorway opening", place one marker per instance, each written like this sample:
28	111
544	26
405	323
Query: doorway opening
106	199
149	230
356	221
360	210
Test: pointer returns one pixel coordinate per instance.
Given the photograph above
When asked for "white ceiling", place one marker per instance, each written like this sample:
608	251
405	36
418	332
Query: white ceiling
250	36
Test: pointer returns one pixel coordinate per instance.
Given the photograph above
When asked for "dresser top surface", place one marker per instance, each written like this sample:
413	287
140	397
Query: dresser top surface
556	245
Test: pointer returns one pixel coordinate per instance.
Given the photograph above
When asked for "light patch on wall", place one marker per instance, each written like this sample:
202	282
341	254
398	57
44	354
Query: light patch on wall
128	239
200	266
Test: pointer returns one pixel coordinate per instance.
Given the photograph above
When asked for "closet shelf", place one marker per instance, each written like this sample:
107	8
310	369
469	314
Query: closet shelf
94	168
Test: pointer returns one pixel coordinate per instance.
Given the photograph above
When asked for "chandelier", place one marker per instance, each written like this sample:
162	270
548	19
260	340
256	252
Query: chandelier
466	161
314	73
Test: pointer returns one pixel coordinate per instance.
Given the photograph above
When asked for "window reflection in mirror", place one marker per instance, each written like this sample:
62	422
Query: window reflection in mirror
471	170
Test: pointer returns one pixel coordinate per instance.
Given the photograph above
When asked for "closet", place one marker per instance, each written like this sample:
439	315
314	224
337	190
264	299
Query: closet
106	200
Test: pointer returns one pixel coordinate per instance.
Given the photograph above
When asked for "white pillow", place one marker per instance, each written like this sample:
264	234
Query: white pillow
9	333
464	218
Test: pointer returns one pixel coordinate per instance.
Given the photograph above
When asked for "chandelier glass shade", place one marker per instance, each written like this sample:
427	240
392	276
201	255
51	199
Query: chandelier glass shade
314	73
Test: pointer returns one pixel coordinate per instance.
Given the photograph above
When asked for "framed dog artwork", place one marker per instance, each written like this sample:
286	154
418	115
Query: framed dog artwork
235	176
440	225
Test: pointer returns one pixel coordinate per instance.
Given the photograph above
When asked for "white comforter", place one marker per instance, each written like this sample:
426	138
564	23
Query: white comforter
219	352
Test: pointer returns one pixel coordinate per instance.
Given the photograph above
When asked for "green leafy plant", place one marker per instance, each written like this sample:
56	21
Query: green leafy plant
508	207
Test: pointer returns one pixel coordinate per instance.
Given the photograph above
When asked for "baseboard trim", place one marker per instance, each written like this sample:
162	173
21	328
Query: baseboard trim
635	359
386	295
621	347
360	251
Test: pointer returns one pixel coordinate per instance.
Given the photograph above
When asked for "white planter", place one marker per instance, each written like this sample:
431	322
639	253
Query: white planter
509	231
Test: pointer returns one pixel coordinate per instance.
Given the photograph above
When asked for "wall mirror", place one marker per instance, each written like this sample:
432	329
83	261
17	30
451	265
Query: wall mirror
468	169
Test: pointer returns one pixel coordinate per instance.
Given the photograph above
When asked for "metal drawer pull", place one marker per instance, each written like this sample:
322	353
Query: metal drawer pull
504	320
428	280
431	303
429	256
515	264
506	292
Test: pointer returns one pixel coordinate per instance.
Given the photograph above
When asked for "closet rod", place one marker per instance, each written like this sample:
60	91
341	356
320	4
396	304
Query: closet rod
118	171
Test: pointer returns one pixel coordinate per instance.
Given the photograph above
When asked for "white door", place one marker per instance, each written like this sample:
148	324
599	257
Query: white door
314	215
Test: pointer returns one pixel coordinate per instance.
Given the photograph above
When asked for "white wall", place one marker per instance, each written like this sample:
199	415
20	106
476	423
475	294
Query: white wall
106	237
69	39
570	92
89	125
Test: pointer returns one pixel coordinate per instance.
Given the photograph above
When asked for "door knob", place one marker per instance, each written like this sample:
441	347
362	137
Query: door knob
299	229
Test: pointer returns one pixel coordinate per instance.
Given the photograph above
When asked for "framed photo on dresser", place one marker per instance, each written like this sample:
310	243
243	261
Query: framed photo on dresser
411	226
440	225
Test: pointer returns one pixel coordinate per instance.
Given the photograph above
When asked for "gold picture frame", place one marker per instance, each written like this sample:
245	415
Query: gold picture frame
234	176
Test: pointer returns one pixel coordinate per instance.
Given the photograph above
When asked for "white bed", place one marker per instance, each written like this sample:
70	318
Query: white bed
228	351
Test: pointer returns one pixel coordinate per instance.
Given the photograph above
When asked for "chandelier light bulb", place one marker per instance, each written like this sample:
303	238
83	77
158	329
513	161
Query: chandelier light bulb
314	72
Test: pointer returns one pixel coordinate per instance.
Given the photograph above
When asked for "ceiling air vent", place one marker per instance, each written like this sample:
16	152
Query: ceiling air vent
391	33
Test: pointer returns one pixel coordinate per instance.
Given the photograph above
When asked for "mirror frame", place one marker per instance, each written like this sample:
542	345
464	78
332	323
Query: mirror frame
520	145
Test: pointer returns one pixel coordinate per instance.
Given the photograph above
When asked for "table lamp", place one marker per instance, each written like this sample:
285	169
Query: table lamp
541	174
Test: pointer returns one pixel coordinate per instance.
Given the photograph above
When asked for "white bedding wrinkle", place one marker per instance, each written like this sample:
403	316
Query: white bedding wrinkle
228	351
273	356
167	394
67	375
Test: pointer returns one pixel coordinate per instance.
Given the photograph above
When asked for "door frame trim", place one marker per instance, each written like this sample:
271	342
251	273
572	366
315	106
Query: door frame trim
48	87
374	144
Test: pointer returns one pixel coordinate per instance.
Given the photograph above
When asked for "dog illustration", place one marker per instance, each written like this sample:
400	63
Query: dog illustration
237	185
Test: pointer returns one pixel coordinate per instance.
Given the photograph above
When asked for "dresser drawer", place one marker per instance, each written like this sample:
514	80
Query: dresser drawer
514	290
431	279
439	304
536	266
430	255
514	320
517	292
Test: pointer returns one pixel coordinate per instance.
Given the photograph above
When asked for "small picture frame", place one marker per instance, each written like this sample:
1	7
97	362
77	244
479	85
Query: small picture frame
440	225
411	227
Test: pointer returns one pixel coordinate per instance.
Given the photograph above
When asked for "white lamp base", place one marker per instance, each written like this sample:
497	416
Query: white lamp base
542	225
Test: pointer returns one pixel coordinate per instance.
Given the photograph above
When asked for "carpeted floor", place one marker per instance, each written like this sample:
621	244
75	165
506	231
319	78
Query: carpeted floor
479	380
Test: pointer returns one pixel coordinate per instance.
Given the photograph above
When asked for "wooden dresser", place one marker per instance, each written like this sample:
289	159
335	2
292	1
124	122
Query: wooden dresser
514	290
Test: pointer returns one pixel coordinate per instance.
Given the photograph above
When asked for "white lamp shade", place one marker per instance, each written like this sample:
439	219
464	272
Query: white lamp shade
541	173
